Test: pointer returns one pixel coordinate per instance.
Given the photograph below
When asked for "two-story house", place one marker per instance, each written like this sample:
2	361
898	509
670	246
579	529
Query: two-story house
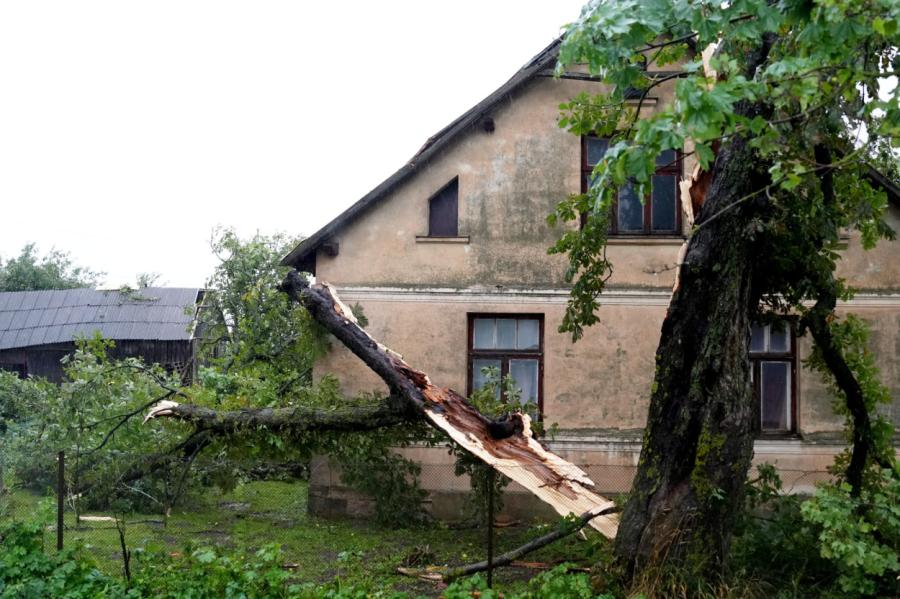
448	257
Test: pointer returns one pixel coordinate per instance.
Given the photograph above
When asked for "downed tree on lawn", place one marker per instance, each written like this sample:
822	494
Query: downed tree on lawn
506	444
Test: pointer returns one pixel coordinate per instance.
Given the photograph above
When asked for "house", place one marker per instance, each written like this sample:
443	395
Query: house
39	328
448	258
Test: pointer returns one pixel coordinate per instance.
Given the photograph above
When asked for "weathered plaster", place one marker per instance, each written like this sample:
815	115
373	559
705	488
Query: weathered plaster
417	295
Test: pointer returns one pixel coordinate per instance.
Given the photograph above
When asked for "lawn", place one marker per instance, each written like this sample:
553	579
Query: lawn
315	550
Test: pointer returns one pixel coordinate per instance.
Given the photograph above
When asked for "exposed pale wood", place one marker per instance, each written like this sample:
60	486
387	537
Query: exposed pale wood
694	187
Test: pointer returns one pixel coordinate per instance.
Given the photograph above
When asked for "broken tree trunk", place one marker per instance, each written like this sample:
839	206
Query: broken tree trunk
699	440
508	446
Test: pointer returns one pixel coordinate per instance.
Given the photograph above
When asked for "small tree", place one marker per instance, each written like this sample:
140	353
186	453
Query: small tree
55	270
784	125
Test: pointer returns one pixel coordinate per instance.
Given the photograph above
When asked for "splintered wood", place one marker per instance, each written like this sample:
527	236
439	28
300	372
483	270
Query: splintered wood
512	451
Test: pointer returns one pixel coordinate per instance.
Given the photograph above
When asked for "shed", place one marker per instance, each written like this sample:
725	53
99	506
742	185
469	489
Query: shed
39	328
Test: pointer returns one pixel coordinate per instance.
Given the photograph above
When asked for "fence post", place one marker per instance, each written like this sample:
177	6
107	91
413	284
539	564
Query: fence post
60	497
490	526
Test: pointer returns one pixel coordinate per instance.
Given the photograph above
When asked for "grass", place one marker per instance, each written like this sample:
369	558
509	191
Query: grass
317	550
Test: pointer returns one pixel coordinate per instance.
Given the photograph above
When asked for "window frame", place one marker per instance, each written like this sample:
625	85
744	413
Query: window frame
505	355
756	360
675	168
454	182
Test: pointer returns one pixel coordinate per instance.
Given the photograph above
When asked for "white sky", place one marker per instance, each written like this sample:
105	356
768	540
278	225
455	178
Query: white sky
128	130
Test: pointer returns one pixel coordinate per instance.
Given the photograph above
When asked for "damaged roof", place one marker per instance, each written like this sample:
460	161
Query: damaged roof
435	144
29	318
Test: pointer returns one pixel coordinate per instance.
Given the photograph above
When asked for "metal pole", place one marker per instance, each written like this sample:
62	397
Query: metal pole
60	494
490	527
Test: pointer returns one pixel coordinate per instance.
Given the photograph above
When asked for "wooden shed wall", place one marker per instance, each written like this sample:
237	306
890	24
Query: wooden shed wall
44	360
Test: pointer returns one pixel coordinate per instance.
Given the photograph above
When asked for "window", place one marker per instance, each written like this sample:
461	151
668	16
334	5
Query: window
773	372
514	345
660	214
443	211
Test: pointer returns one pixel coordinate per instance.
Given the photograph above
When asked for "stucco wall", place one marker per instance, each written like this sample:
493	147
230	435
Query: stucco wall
417	293
602	382
509	181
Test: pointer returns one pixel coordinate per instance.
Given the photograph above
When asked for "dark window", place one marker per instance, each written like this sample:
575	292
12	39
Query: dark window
443	211
19	369
773	372
514	345
659	214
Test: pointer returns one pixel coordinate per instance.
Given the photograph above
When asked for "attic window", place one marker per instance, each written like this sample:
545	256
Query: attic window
443	211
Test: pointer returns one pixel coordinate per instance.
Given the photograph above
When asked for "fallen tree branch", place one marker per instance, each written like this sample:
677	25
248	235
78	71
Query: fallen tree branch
565	529
295	419
506	445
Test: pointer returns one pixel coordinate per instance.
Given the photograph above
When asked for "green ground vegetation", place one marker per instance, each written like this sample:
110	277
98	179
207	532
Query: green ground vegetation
344	553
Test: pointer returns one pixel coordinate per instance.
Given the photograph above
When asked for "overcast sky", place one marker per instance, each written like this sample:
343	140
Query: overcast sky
129	130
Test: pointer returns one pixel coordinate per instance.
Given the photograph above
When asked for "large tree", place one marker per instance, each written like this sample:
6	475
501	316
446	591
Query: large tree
784	117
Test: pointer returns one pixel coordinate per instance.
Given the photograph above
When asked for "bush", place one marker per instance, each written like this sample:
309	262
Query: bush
26	571
860	536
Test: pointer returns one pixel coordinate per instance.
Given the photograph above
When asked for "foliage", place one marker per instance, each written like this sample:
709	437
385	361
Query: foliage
26	571
552	584
82	417
823	85
860	537
206	572
30	272
370	464
246	323
832	545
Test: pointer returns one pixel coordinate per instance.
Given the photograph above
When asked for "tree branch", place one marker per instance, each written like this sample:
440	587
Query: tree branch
296	419
564	529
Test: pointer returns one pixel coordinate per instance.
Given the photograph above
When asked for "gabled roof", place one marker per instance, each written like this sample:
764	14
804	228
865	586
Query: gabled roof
435	144
301	255
29	318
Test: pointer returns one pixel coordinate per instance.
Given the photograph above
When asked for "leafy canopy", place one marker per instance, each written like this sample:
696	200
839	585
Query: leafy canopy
825	83
30	272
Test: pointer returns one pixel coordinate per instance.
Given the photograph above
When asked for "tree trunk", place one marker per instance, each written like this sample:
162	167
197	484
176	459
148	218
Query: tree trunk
698	441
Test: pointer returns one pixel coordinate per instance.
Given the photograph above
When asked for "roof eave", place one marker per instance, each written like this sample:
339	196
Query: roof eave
434	145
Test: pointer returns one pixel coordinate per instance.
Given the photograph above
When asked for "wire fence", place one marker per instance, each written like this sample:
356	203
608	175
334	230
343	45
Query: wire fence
298	513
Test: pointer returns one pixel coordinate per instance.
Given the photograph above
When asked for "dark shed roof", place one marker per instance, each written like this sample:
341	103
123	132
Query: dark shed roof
29	318
436	143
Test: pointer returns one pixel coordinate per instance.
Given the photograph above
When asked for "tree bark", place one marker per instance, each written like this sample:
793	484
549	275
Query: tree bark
698	441
297	420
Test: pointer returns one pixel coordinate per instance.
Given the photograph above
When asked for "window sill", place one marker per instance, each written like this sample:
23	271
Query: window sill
427	239
778	436
645	240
